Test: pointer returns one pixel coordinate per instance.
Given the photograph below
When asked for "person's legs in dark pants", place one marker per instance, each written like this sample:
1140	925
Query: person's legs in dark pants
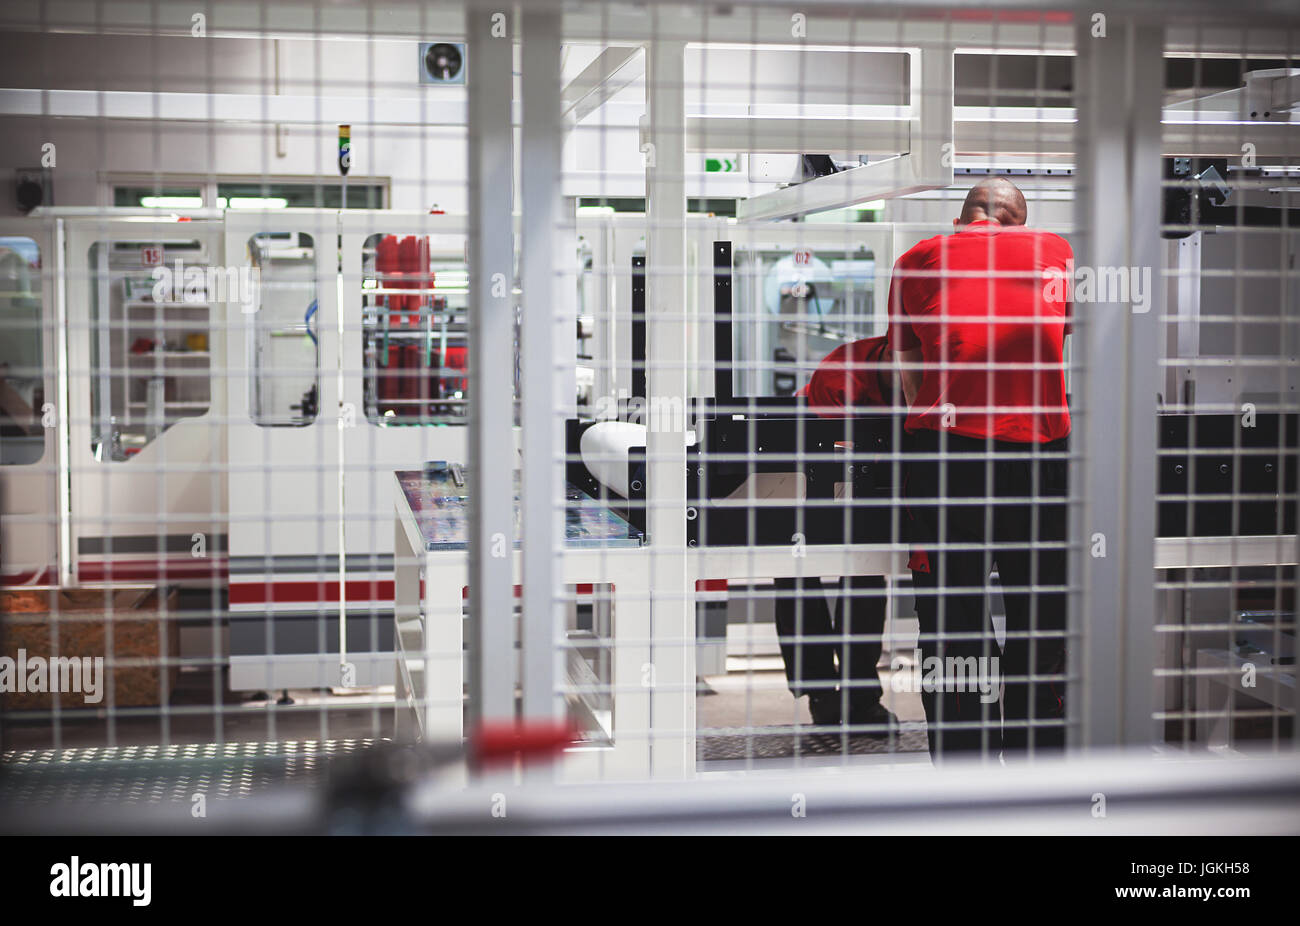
950	596
860	623
808	645
1033	579
955	631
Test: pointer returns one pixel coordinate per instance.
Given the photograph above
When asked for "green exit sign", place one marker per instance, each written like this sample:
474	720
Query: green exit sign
722	165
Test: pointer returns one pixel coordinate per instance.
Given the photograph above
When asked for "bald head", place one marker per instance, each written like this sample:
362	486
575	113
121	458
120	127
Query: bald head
995	198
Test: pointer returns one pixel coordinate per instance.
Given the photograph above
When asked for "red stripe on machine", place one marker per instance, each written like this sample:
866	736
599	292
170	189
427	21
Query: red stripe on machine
582	589
320	590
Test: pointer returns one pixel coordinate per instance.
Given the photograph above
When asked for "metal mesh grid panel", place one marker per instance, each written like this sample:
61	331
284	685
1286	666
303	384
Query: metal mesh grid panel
110	775
639	391
1225	627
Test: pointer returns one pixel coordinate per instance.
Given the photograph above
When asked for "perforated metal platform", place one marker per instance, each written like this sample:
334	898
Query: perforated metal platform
158	774
788	744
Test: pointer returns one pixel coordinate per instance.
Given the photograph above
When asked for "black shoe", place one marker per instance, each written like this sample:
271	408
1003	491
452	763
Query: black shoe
870	718
824	706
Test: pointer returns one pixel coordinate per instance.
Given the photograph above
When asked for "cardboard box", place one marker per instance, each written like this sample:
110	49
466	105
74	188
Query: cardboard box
54	638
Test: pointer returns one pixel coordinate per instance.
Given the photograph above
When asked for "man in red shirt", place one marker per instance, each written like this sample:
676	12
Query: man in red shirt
980	342
833	661
858	374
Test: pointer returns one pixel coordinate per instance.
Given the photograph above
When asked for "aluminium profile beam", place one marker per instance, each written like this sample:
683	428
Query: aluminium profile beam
546	317
611	71
491	387
881	180
1118	85
672	608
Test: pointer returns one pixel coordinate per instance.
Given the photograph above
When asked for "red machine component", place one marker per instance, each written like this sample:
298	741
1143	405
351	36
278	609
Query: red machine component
504	742
456	359
408	262
404	381
386	263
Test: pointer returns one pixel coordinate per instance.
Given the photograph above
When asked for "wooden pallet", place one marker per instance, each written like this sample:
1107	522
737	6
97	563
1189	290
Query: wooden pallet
41	624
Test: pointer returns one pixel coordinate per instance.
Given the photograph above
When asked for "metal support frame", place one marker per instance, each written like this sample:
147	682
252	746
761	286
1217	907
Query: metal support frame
842	137
672	668
547	316
1283	91
64	464
926	165
1271	95
1183	338
103	430
1118	84
491	390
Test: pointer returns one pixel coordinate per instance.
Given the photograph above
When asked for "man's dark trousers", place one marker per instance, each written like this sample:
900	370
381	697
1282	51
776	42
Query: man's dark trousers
845	650
1003	503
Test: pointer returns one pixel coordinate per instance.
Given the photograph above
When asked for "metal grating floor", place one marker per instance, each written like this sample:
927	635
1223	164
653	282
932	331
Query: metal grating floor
160	774
787	744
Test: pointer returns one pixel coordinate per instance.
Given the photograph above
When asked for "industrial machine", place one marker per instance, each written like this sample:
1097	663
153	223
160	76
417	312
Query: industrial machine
223	425
763	469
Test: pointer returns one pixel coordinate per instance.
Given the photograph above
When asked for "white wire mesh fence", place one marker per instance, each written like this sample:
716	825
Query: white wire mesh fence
669	390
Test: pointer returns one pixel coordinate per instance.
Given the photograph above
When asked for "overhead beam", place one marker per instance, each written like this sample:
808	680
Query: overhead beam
882	180
1194	34
776	135
613	69
1048	135
927	165
1048	138
742	25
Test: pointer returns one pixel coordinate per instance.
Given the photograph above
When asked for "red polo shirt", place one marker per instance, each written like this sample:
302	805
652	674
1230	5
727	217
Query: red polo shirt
992	337
854	375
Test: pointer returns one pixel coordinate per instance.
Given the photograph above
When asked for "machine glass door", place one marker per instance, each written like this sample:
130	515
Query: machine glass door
415	329
283	332
146	298
151	308
22	351
29	412
285	436
404	361
797	300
